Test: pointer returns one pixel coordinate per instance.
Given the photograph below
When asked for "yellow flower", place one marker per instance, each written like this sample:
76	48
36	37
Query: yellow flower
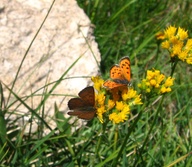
165	44
119	105
124	113
177	48
131	97
166	86
100	98
100	111
174	40
150	75
177	43
154	78
114	117
165	90
125	95
139	85
115	104
98	82
189	60
126	109
148	90
182	56
170	31
160	78
160	36
147	83
168	89
157	72
157	86
137	100
132	93
111	104
169	82
117	117
158	82
153	82
188	45
182	34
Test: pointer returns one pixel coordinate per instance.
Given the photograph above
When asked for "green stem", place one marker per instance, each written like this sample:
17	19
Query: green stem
126	138
154	121
100	138
173	67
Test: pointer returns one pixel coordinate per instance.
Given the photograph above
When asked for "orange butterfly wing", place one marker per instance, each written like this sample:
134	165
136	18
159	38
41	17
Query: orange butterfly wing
125	66
111	84
120	74
84	105
116	72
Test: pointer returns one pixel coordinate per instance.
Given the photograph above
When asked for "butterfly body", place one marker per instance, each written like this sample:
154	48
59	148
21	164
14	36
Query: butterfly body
120	74
83	106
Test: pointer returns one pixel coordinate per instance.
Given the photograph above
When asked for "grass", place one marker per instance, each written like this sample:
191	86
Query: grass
160	135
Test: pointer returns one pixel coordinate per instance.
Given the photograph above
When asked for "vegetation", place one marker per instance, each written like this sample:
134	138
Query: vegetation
156	133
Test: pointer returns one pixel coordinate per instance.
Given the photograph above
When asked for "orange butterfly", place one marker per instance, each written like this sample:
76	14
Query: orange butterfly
83	106
120	74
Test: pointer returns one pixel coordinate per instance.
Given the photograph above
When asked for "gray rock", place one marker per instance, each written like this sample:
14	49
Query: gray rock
65	35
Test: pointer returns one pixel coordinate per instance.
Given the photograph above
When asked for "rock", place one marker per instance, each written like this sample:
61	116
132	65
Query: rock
65	35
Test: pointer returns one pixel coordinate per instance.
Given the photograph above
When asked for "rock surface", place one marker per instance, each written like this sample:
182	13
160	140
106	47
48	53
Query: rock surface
65	35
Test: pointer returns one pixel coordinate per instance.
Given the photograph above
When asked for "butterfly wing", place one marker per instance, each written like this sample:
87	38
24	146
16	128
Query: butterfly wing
112	85
76	103
87	115
116	72
84	106
116	76
120	74
88	96
125	66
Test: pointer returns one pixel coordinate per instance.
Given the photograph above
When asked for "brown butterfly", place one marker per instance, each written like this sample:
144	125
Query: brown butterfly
83	106
120	74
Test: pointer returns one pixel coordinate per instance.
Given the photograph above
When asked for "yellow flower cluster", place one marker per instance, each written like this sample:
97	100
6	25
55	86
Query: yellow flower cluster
114	104
155	82
177	43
